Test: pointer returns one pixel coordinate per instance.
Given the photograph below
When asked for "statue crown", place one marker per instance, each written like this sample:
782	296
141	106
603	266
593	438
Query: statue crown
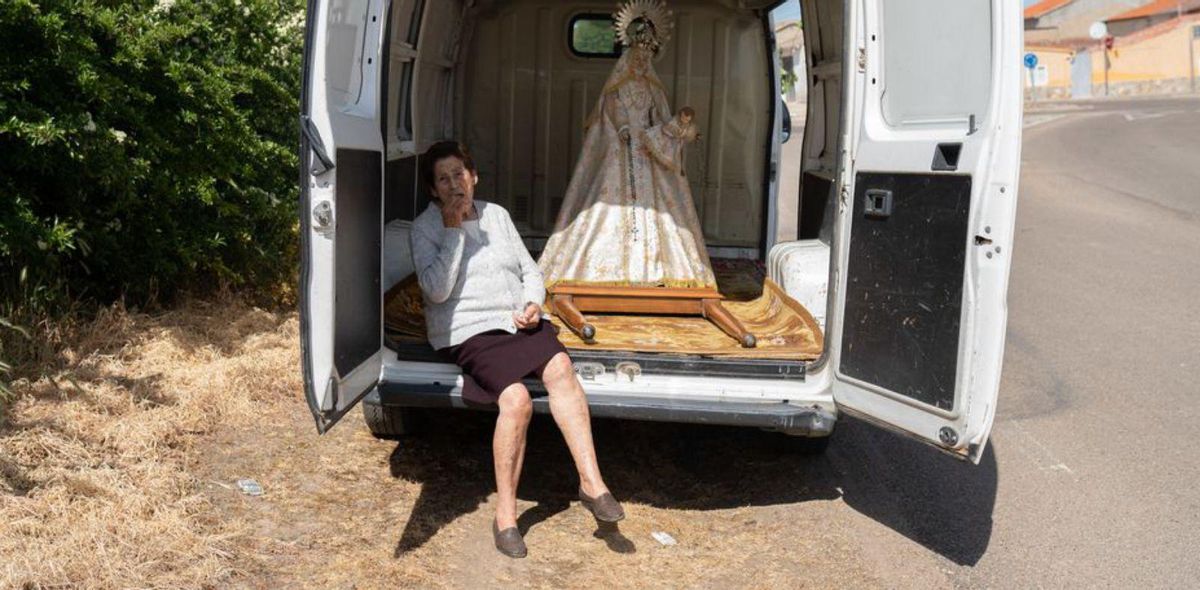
645	23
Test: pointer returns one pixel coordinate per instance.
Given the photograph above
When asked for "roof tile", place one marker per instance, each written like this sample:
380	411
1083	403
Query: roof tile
1154	8
1043	7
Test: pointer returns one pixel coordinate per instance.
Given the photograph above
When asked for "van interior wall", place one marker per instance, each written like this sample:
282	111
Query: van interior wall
523	96
824	41
423	45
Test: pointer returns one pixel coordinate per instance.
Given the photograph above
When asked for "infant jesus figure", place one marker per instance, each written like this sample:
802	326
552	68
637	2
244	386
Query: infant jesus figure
666	146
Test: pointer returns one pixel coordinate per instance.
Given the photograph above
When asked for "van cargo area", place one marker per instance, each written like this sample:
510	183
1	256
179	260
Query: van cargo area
506	79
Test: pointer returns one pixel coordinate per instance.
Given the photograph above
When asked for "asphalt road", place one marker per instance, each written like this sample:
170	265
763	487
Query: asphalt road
1091	478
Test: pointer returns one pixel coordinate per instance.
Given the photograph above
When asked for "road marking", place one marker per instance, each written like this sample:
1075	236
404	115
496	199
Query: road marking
1034	120
1038	453
1140	116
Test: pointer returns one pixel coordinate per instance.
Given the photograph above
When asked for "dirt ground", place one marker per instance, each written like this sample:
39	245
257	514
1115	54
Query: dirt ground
120	471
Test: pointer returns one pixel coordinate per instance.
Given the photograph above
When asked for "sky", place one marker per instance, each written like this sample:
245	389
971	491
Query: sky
788	10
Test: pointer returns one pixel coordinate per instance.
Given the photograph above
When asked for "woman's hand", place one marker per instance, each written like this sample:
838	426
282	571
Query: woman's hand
454	212
529	317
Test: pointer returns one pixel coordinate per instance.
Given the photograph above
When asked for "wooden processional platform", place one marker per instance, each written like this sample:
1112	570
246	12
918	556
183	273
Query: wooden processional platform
570	302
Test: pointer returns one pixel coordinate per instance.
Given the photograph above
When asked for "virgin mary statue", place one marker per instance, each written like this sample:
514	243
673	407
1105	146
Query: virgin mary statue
628	218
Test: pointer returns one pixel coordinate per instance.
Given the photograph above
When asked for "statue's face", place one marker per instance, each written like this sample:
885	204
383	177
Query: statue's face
641	57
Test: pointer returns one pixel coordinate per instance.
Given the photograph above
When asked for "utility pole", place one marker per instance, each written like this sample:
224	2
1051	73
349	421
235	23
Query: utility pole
1193	32
1192	35
1104	48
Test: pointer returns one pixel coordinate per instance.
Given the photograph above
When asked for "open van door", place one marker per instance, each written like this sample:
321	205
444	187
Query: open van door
341	205
926	210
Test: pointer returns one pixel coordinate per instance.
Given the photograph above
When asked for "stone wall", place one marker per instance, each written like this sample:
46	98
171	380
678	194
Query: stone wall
1140	87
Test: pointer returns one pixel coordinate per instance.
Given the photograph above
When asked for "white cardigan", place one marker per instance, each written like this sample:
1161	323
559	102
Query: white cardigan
472	286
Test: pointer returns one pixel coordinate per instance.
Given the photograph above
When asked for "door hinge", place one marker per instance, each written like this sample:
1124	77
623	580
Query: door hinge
862	59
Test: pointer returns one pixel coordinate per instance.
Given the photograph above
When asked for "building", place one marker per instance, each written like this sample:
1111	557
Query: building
1163	57
789	39
1065	22
1155	47
1149	15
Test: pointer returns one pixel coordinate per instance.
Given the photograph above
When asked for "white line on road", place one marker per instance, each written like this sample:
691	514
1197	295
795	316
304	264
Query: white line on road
1038	453
1033	120
1140	116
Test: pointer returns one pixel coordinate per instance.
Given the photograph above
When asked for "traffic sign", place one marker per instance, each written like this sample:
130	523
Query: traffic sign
1030	60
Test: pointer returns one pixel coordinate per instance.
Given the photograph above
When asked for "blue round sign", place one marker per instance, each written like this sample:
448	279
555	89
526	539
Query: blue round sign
1030	60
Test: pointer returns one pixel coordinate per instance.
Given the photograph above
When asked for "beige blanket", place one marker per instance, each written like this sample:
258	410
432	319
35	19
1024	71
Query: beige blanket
784	328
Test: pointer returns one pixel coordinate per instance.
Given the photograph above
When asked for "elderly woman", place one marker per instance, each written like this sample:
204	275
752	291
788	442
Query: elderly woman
483	295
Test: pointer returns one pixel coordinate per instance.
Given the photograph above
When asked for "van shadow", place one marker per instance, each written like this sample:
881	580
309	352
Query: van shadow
934	500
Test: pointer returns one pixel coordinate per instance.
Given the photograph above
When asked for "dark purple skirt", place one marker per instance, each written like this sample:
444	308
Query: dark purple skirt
493	360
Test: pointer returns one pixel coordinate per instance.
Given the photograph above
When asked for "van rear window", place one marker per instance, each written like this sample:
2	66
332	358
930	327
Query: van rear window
592	35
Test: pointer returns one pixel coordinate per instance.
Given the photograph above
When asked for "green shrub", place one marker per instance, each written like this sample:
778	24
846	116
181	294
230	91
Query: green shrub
146	148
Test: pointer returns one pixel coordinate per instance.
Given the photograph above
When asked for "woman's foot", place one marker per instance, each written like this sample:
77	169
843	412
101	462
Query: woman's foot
509	541
604	506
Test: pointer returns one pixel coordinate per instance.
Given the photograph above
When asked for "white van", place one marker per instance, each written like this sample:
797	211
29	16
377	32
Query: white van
909	172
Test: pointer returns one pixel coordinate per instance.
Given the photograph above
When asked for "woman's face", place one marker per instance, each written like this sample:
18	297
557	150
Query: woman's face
452	179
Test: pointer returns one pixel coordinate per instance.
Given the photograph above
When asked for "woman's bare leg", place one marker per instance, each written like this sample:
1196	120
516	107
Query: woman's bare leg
508	450
569	406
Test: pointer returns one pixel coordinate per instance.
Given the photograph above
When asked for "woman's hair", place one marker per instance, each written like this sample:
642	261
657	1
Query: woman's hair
440	151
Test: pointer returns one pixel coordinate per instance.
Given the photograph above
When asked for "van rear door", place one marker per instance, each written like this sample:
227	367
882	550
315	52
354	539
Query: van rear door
928	188
341	159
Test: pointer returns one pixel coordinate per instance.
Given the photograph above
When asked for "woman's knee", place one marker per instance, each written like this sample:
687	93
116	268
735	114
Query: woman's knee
515	400
558	368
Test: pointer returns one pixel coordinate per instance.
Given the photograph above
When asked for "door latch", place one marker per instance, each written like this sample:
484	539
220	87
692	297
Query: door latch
629	369
322	215
878	203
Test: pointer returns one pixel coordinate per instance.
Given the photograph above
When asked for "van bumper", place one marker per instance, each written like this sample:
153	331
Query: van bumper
801	419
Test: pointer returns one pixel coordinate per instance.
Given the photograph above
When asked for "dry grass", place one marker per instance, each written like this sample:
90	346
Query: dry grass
95	489
116	471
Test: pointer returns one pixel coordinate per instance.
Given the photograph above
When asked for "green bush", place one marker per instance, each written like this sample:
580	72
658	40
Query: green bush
146	147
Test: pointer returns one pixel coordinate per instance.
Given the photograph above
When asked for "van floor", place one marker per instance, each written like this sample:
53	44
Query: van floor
783	327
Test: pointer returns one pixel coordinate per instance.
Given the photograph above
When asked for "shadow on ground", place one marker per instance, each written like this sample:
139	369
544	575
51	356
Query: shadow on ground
935	500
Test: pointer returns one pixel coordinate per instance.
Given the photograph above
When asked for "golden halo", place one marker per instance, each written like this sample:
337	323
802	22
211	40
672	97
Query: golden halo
631	17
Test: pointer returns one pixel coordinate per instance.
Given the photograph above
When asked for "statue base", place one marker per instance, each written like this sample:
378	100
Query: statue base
569	302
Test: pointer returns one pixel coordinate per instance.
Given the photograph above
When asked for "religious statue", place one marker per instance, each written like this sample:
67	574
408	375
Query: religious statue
627	217
628	239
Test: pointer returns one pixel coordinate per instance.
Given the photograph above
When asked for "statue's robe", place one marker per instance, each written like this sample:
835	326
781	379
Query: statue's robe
627	217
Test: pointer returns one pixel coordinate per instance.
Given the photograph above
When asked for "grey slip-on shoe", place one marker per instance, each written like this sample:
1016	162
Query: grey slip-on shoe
604	507
509	541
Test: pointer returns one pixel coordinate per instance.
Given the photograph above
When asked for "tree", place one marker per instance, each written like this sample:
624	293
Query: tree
148	146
